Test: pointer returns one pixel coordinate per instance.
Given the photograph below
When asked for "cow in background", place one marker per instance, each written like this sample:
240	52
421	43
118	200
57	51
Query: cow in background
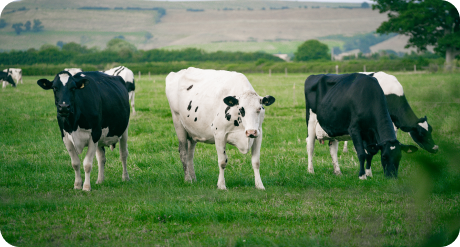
355	105
93	112
128	76
5	77
216	107
16	73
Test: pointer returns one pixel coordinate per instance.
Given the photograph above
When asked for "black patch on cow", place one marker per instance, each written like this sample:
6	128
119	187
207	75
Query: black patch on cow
228	116
195	119
212	124
226	109
236	123
189	87
188	115
224	151
196	109
226	160
242	111
189	106
239	120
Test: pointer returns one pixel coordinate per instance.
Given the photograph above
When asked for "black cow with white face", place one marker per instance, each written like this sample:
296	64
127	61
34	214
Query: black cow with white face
355	105
92	111
7	78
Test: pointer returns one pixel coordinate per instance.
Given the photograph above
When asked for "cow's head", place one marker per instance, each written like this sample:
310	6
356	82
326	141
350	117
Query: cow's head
421	134
10	80
391	155
251	110
64	86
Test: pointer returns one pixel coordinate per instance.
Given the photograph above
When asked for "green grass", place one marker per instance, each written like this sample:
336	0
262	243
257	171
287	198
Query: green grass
39	207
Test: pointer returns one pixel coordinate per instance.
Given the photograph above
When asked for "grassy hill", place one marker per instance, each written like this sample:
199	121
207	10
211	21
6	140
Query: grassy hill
243	26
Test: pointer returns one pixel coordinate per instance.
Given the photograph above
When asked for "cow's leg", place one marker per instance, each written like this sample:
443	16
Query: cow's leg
190	154
131	98
359	147
311	140
222	158
345	146
183	145
333	150
88	163
368	165
124	154
75	161
100	156
255	150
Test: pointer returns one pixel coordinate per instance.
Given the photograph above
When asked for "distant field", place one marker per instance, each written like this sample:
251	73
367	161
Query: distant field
213	27
286	47
39	207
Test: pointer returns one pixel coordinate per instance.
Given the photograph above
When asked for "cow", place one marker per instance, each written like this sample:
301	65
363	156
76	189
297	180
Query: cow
128	76
16	73
93	112
7	78
355	105
216	107
73	71
401	114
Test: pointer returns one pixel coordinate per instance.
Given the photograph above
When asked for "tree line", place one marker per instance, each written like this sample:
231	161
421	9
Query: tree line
27	26
120	51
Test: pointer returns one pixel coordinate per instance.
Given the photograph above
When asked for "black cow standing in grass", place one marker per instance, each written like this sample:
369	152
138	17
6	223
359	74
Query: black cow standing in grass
355	105
6	77
92	111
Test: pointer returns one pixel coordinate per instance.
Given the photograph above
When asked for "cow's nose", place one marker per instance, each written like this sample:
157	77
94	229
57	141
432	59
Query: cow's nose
63	107
251	133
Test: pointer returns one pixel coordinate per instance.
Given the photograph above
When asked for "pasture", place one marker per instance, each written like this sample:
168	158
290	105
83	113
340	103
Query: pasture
156	207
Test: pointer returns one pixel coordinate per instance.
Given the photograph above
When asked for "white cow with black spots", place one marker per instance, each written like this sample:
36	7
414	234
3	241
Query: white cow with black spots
16	73
216	107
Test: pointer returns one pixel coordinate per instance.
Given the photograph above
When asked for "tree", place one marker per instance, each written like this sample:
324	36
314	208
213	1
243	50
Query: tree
365	5
311	50
426	22
2	23
27	25
37	25
18	28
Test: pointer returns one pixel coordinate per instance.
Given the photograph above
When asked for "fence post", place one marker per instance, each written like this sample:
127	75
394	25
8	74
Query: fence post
269	72
139	75
149	74
285	71
293	90
337	69
415	68
364	68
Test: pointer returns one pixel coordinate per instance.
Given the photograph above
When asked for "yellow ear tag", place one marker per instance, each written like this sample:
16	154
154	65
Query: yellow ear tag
231	102
82	86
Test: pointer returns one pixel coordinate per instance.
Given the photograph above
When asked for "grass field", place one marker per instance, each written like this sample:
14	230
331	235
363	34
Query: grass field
39	207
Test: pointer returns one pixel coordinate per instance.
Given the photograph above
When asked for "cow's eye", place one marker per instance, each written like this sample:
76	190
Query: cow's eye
55	89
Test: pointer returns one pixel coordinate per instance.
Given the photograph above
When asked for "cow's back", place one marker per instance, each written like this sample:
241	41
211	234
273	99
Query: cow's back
106	99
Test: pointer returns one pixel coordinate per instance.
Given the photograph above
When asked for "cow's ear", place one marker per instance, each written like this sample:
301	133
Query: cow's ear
45	84
81	83
408	148
230	101
268	100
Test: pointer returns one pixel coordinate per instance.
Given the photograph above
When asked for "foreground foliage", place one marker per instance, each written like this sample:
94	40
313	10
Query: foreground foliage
38	205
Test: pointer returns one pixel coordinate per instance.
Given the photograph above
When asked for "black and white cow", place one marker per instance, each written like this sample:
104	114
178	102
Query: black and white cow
128	76
401	114
73	71
7	78
93	112
220	107
355	105
16	73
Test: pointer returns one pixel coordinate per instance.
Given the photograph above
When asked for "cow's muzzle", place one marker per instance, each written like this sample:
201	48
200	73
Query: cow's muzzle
251	133
63	110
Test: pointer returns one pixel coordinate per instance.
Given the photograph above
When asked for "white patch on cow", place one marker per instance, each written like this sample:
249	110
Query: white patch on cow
81	137
435	147
388	83
82	75
368	172
64	78
392	147
424	125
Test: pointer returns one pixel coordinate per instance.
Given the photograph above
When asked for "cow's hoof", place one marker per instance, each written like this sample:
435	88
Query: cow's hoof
369	172
363	177
125	178
99	181
77	186
188	179
311	171
221	187
260	186
86	187
338	173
